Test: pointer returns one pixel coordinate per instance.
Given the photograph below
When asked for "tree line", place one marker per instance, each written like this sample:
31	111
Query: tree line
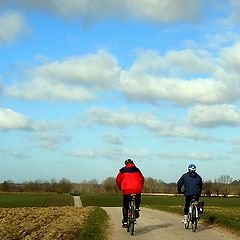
223	186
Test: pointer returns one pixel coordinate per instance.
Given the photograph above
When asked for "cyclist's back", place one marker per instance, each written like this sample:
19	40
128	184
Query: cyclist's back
130	181
192	184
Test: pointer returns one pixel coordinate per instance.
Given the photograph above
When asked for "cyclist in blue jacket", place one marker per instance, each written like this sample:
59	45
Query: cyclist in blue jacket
192	184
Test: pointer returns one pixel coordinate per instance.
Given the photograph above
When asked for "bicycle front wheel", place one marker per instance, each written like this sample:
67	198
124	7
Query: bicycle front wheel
194	219
187	223
131	227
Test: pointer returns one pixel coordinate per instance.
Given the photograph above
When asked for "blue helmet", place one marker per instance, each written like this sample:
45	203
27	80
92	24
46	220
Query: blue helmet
128	161
191	167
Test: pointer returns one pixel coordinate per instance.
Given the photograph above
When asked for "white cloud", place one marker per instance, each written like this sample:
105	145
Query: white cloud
73	79
50	140
110	153
235	14
153	78
214	116
15	153
14	120
189	61
39	89
124	118
230	58
10	120
99	70
157	11
12	26
184	77
163	10
112	138
154	89
190	156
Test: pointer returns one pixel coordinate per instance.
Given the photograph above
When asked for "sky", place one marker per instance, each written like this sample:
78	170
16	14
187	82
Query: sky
85	85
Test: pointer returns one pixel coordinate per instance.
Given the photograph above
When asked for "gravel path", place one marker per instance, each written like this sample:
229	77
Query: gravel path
155	224
77	201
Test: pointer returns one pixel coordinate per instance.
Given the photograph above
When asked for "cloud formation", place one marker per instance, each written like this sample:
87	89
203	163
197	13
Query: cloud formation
214	116
73	79
11	120
14	120
12	26
162	11
124	119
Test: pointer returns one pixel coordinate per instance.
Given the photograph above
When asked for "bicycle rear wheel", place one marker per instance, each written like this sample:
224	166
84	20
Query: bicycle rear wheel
131	222
194	219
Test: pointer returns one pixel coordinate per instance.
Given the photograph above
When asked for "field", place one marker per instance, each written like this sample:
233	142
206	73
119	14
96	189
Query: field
9	200
49	217
224	211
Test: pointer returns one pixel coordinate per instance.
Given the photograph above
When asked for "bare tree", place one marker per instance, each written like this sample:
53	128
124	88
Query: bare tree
64	186
109	185
208	188
225	181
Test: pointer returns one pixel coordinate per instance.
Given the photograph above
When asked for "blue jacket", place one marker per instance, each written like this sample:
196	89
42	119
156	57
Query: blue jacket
192	183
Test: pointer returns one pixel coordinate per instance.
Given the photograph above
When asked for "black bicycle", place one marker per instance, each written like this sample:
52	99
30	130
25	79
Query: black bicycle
195	209
131	214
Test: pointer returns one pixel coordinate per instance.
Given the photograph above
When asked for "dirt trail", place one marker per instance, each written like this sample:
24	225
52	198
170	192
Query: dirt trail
155	224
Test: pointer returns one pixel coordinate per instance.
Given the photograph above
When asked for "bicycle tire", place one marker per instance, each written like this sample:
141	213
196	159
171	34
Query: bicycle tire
194	219
128	223
131	228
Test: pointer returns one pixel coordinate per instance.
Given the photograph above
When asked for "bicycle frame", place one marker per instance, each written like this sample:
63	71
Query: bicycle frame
193	215
131	214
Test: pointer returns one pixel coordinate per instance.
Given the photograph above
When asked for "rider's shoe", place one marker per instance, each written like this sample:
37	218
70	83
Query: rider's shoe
124	225
137	215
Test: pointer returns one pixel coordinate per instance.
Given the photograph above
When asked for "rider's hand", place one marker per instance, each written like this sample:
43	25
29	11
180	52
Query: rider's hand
180	191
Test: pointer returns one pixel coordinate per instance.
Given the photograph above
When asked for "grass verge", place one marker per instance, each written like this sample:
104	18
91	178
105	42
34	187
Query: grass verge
95	228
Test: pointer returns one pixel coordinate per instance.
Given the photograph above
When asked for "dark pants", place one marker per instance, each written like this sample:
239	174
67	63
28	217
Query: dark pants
188	202
126	200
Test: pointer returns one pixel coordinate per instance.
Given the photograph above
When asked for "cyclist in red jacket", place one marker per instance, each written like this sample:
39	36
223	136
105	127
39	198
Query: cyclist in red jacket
130	181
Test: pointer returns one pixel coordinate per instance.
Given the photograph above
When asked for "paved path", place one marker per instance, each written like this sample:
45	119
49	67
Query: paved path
77	201
154	224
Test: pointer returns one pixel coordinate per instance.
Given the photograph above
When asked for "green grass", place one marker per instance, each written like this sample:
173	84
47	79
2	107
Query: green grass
95	228
102	200
10	200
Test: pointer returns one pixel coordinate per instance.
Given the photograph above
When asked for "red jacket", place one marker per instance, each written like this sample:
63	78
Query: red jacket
130	180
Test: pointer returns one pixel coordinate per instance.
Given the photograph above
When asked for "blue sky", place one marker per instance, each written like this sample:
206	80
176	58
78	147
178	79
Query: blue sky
87	84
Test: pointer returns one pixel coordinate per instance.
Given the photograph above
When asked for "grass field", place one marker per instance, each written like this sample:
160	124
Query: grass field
225	211
9	200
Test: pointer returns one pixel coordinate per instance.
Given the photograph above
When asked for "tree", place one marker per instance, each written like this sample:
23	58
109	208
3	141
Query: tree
225	181
64	186
208	188
5	186
109	185
216	187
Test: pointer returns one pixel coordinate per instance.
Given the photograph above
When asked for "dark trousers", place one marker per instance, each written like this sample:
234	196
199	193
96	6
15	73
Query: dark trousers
188	202
126	200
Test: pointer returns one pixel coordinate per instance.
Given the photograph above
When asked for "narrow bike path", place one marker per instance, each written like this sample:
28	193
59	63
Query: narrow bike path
77	201
154	224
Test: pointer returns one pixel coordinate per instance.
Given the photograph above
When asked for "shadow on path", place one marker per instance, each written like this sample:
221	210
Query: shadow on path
149	228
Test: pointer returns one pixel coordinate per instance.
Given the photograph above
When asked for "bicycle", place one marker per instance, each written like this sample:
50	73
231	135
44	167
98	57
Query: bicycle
131	214
195	209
